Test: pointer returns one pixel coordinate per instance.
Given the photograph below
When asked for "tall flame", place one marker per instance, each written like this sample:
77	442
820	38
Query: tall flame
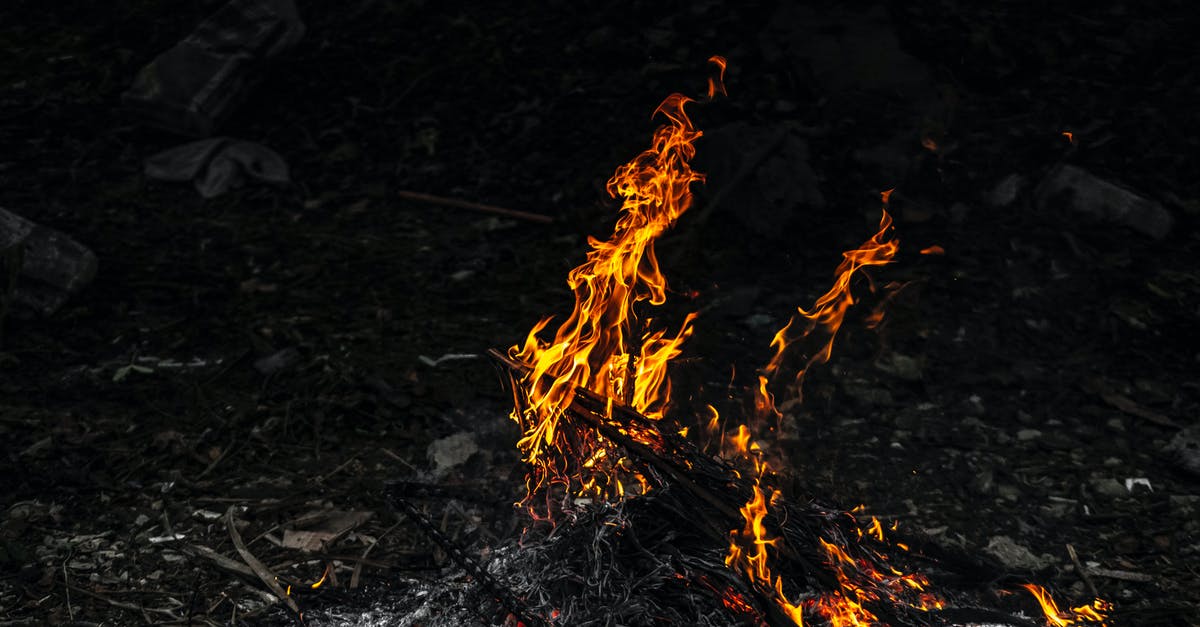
748	552
603	346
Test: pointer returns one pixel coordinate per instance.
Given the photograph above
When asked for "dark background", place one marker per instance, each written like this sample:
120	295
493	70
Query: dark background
1047	357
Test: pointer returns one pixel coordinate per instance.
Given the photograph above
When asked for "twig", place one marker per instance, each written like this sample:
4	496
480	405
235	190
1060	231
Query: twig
474	206
396	457
123	605
341	467
1122	575
264	575
67	589
221	561
367	551
1083	573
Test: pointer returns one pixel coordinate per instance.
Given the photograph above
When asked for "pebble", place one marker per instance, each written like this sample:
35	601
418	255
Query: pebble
451	451
900	366
1109	487
1025	435
1014	555
1008	492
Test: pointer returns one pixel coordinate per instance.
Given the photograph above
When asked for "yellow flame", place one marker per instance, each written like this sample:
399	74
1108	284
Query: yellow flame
603	346
319	582
1093	614
830	309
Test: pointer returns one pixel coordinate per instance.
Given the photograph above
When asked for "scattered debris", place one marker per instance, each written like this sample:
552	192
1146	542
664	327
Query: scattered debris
323	529
193	87
1103	200
218	164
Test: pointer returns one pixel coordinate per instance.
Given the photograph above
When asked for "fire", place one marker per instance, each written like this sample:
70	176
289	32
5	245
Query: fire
603	346
1082	615
610	350
829	311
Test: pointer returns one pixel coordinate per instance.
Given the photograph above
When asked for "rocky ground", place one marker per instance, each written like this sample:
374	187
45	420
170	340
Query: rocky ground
252	368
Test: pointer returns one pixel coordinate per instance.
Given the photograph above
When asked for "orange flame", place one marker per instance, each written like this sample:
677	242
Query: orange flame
830	309
603	346
1082	615
716	85
933	250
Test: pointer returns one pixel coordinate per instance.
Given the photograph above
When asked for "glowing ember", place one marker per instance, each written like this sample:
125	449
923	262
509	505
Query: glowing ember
603	346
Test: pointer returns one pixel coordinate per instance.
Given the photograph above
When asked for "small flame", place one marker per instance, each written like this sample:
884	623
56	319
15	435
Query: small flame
1070	136
319	582
716	85
929	144
933	250
1093	614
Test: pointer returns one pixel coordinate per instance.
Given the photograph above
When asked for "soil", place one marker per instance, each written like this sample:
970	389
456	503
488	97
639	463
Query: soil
1025	388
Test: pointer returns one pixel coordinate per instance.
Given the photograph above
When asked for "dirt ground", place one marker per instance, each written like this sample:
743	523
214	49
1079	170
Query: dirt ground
1032	386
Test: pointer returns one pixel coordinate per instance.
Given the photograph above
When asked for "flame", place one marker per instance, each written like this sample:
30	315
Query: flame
830	309
603	346
1082	615
764	401
319	582
1070	136
933	250
716	85
860	581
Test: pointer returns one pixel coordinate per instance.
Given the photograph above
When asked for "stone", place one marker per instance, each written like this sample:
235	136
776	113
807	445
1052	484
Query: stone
1184	450
40	267
1109	487
1014	555
451	452
1103	200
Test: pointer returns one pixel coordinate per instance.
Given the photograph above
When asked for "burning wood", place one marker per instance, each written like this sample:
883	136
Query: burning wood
839	567
631	502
